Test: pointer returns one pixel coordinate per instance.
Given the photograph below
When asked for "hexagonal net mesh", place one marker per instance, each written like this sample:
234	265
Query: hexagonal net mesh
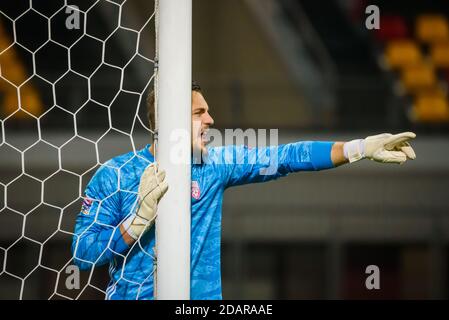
74	80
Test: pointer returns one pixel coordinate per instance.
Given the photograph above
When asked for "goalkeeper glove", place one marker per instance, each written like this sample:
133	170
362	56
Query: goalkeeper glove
152	188
385	148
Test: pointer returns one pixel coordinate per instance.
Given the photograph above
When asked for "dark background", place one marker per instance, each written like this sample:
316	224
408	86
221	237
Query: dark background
308	68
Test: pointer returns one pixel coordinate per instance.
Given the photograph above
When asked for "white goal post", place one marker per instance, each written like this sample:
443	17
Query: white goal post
173	85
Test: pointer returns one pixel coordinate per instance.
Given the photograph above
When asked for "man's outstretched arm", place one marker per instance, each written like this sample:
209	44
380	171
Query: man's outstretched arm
337	154
244	165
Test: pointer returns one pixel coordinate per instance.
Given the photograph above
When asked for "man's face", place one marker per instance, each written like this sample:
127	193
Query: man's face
201	121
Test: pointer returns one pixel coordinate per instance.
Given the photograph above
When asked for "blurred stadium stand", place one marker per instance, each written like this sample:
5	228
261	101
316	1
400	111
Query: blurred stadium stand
362	93
310	69
413	49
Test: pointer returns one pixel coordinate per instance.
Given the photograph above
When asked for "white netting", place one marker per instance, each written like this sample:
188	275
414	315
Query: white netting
70	100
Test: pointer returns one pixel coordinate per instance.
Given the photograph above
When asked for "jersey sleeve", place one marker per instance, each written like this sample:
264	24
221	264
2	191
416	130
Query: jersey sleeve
242	165
97	239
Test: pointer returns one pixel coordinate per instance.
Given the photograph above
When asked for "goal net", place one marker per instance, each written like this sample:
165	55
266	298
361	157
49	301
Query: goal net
74	79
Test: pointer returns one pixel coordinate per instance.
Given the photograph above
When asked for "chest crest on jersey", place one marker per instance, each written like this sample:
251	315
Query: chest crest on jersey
196	192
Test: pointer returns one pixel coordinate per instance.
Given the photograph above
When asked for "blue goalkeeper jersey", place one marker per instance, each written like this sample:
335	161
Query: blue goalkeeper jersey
111	197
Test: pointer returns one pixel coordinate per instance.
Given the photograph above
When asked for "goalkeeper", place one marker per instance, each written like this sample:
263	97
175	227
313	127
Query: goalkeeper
116	222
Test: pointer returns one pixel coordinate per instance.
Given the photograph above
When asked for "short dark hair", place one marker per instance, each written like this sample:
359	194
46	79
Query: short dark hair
150	104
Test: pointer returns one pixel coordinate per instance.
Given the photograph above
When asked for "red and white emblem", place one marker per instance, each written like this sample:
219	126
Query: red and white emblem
85	207
196	192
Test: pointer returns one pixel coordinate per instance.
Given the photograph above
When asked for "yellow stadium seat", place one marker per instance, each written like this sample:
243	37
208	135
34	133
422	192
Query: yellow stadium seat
432	28
440	54
30	100
8	57
13	71
418	77
402	53
14	74
436	91
431	108
4	43
11	68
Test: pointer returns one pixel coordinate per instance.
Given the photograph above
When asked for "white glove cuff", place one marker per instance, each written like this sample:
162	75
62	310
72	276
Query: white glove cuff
127	226
354	150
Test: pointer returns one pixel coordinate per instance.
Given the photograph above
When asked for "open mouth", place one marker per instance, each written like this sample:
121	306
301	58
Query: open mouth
204	137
